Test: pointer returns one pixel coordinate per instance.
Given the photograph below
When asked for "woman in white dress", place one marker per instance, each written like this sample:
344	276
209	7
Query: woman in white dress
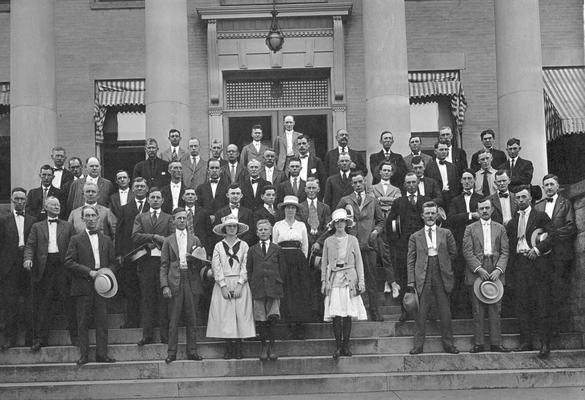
342	276
291	236
231	314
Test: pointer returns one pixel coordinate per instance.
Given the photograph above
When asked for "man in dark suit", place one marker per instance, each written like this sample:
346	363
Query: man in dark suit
531	272
562	215
462	212
181	284
254	150
61	176
446	174
455	155
268	210
503	200
123	195
173	192
415	143
430	253
127	275
44	256
199	222
87	253
402	221
358	163
211	195
387	155
427	187
311	165
498	156
76	169
519	170
151	228
294	185
243	214
338	185
35	200
486	251
233	170
269	171
252	185
105	187
14	280
153	169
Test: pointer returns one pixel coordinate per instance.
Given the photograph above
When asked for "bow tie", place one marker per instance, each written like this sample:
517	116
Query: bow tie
57	169
55	220
234	207
467	193
214	181
305	156
549	199
504	195
94	232
20	213
253	181
442	162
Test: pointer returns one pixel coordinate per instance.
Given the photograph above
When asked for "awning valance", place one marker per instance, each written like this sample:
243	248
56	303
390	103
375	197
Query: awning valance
115	93
424	86
564	101
4	94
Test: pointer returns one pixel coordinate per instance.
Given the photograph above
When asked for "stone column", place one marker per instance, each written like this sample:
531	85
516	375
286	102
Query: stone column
386	71
33	114
167	70
519	76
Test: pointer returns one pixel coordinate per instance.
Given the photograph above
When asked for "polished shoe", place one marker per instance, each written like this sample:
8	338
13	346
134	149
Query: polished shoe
416	350
478	348
451	349
144	341
544	351
170	359
499	349
82	361
194	357
104	359
36	347
524	347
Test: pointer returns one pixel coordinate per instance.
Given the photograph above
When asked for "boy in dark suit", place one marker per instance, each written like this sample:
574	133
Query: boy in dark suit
266	284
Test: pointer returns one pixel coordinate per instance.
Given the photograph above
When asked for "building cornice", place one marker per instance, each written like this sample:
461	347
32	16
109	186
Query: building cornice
284	11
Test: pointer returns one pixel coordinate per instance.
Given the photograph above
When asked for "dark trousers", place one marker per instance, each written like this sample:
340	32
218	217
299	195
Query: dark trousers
369	259
14	284
460	302
479	312
383	257
433	292
186	303
130	289
152	299
53	284
561	285
533	282
88	307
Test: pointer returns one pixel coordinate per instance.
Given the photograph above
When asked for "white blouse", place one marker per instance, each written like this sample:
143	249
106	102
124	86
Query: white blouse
283	232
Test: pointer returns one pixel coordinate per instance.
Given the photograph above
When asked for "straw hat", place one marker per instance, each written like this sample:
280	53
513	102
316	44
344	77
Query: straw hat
289	201
230	220
338	215
105	283
488	292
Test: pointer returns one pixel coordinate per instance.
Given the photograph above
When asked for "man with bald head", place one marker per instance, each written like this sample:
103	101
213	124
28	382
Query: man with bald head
252	186
358	163
234	169
105	187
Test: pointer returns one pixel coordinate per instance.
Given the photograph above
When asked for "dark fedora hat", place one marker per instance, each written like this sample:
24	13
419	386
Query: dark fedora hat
410	301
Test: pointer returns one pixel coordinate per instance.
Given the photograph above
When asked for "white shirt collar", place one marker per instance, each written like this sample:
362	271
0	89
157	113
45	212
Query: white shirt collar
383	182
484	222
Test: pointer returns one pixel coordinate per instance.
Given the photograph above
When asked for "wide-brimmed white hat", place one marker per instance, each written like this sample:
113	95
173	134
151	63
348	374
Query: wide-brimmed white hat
289	201
105	283
230	220
338	215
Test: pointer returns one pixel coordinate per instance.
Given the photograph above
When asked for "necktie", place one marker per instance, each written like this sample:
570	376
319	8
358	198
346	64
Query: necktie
411	199
140	202
154	217
503	195
175	158
522	225
387	156
549	199
190	221
359	199
253	181
295	186
313	218
214	181
430	232
485	187
343	150
512	163
467	193
233	172
263	247
45	192
343	177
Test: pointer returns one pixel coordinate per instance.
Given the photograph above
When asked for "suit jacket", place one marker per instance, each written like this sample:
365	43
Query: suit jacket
498	158
285	189
316	169
473	250
458	217
367	218
332	156
167	155
206	199
280	148
128	213
408	160
249	153
240	171
170	274
202	228
34	202
262	213
37	245
245	216
496	202
521	174
408	217
564	229
249	200
116	206
80	261
396	159
335	189
106	221
76	199
167	196
432	171
9	253
66	177
491	177
156	172
432	190
459	158
536	219
194	175
277	176
323	213
144	230
417	259
385	199
264	274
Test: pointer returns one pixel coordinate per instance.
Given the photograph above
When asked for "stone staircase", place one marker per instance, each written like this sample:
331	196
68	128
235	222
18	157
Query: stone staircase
381	363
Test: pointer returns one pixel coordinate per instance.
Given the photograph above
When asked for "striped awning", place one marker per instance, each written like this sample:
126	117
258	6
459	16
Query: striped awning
424	86
564	101
116	93
4	94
